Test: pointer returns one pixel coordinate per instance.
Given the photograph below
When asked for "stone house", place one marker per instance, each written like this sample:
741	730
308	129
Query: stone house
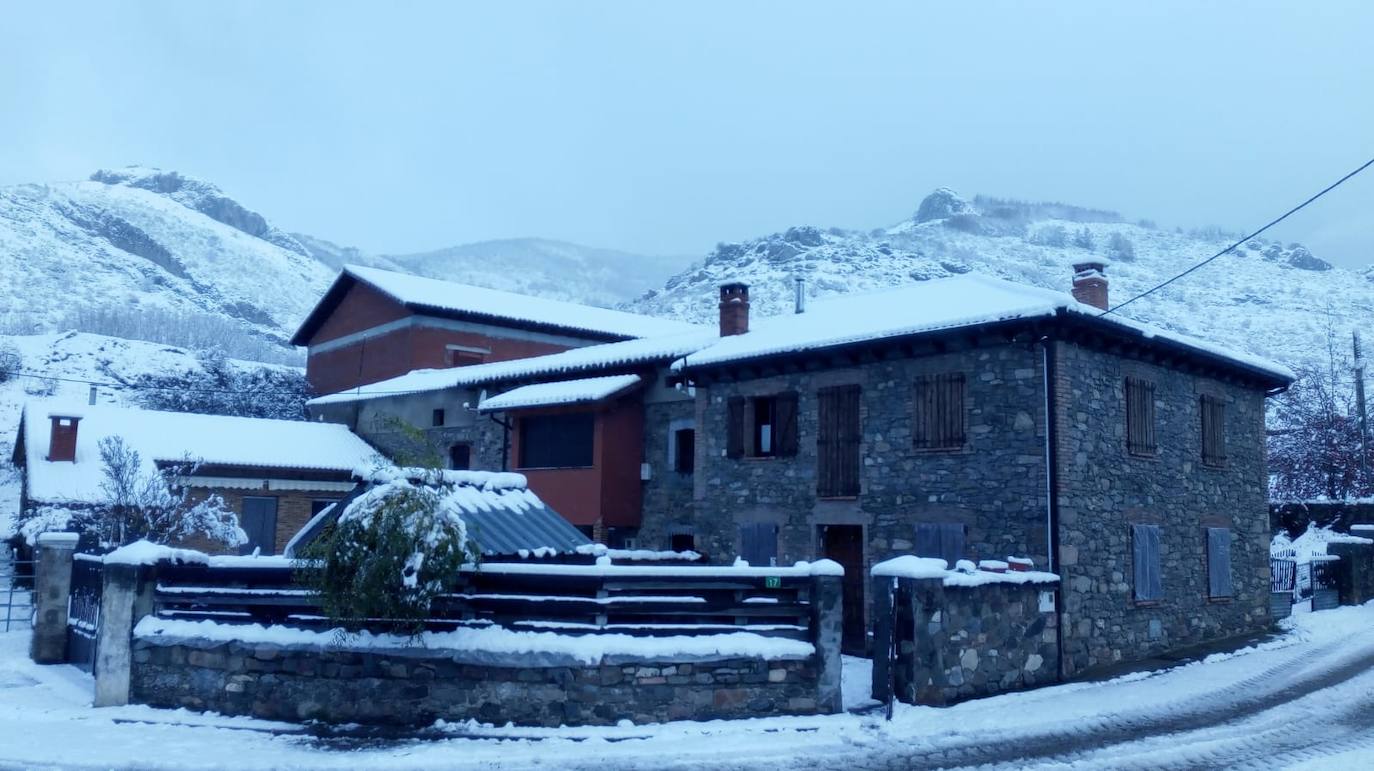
275	474
973	418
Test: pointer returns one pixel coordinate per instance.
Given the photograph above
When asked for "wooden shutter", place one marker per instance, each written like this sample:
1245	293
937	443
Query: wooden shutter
1145	554
837	442
259	522
759	543
927	540
785	424
939	412
734	427
943	540
1219	562
1213	412
1140	417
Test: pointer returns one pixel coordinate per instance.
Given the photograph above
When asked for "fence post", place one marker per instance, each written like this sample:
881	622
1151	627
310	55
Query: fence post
882	638
52	590
126	597
827	624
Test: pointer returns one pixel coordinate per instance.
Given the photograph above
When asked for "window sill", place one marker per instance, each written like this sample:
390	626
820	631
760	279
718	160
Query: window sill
941	450
1220	600
554	468
1154	456
837	497
1146	603
1213	466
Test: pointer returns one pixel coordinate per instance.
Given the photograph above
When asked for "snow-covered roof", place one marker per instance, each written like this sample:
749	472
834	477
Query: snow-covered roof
172	437
466	300
931	306
560	392
591	358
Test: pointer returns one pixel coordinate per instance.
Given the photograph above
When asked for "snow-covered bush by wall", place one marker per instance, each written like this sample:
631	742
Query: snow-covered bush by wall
393	549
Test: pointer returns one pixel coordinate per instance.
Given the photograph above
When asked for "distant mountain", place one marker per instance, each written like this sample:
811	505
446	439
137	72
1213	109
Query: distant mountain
141	246
555	269
1277	300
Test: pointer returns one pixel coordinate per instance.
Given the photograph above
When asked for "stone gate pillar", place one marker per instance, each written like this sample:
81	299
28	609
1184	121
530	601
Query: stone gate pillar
52	584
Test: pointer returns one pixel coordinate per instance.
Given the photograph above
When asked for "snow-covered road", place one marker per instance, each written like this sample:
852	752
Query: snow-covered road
1305	699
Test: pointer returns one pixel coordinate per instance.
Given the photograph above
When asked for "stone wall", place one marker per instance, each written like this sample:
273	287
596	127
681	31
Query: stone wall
995	485
1103	490
667	501
958	642
415	686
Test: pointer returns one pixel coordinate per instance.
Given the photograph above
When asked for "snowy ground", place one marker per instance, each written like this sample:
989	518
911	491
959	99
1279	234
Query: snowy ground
1305	700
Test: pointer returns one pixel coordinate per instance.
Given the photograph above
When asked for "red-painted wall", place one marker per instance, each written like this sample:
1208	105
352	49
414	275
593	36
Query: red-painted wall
396	352
610	489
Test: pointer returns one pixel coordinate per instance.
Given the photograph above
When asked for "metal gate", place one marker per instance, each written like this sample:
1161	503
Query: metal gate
83	610
16	593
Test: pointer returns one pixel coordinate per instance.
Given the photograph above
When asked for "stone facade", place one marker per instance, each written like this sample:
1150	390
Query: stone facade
957	643
1103	490
415	686
668	500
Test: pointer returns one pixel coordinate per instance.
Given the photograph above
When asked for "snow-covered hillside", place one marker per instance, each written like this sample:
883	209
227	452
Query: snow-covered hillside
142	241
1277	300
537	266
87	357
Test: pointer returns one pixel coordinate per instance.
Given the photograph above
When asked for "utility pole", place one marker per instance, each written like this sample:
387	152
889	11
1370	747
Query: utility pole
1359	405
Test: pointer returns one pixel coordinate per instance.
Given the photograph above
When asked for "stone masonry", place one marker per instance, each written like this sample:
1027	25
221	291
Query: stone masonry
415	686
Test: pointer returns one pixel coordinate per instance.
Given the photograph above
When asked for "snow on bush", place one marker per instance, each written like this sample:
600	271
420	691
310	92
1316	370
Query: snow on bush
144	502
394	548
1311	545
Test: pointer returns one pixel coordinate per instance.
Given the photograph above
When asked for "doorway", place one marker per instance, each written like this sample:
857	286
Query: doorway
845	545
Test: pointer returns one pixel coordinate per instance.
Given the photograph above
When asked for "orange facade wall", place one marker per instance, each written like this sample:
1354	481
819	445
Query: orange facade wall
399	351
609	491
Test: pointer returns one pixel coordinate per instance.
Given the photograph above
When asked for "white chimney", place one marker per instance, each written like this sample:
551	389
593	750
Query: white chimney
799	303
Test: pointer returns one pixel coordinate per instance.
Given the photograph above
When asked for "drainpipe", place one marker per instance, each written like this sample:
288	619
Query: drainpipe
1052	500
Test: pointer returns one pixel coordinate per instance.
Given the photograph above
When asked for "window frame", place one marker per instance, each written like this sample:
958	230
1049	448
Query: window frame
524	424
1213	431
935	397
684	462
437	417
454	446
1148	533
1142	422
1210	558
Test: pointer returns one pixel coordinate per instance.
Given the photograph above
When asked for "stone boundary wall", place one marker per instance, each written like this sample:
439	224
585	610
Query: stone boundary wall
956	643
415	686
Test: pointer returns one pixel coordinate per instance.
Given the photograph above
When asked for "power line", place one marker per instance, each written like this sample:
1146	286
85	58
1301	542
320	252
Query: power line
1233	246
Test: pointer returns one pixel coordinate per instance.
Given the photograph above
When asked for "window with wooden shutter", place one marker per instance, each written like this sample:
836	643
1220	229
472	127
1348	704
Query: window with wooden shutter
837	442
1140	417
942	540
684	450
1213	412
939	412
1148	586
734	427
785	413
1219	562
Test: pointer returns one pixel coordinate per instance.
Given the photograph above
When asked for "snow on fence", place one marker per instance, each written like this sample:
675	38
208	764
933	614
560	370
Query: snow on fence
569	599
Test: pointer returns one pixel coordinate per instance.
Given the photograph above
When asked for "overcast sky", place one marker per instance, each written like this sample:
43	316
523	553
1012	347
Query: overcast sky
665	128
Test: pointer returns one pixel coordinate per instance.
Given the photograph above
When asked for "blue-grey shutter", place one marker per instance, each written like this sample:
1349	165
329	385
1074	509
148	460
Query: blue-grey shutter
951	543
928	540
759	543
1145	553
1219	562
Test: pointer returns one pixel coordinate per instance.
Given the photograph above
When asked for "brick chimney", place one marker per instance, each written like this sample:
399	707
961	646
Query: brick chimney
1090	283
62	439
734	309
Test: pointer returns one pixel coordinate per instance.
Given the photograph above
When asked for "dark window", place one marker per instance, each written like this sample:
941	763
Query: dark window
460	457
682	542
943	540
837	442
1213	431
458	358
685	450
759	544
320	504
765	426
1140	417
1145	553
734	427
259	521
437	418
939	412
1219	562
556	441
586	530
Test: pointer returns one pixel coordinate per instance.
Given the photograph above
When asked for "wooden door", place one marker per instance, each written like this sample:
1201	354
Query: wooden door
259	521
845	545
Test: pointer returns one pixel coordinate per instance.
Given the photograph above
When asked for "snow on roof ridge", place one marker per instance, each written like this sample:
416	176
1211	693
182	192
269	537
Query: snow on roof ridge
411	289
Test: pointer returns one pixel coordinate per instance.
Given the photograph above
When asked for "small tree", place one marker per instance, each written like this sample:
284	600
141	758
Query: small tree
1083	239
11	362
395	548
145	502
1120	248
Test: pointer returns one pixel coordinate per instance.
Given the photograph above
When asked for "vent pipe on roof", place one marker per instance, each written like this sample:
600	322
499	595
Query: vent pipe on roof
799	303
1090	283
